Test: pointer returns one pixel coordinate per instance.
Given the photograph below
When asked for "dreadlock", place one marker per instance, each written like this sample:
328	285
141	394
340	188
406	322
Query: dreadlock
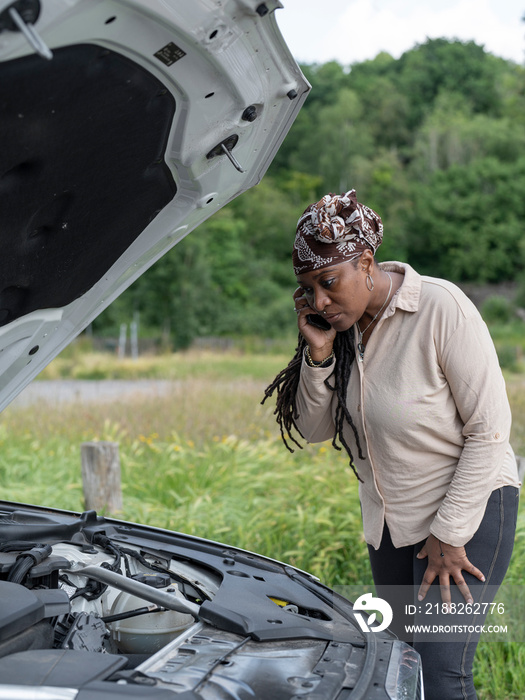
287	381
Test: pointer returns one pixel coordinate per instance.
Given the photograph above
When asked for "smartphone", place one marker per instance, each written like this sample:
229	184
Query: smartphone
318	321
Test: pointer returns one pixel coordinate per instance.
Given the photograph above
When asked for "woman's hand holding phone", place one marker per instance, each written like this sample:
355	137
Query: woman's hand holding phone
320	340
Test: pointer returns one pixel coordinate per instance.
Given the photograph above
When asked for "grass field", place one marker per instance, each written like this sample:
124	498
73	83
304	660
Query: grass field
207	460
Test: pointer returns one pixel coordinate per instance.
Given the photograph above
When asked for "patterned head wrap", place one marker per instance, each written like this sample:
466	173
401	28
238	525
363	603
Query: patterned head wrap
336	229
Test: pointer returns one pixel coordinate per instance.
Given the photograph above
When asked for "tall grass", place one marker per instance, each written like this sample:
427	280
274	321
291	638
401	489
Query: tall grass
232	480
206	459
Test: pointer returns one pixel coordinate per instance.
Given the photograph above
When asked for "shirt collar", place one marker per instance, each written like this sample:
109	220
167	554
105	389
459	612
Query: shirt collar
407	296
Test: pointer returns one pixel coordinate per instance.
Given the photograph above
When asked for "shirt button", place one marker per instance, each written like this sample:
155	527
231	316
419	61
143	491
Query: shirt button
359	407
496	436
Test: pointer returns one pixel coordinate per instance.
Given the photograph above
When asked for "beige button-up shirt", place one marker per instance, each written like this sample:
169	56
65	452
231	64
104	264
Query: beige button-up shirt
430	405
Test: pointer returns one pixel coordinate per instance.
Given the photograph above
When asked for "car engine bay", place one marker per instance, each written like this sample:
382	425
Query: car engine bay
95	606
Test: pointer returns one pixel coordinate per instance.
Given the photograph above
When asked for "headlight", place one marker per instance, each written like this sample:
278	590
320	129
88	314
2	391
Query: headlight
404	678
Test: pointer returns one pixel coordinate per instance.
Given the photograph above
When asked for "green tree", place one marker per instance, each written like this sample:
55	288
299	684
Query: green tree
343	138
452	66
467	223
385	106
452	135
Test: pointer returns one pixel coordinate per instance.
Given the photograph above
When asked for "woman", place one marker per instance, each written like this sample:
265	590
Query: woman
405	377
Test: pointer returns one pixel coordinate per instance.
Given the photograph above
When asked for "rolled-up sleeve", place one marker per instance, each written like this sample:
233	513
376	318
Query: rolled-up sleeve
470	365
314	403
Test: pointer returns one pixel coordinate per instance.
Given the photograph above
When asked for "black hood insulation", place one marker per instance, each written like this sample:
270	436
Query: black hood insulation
82	171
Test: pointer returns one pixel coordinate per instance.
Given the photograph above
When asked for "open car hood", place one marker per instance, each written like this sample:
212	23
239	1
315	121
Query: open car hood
124	125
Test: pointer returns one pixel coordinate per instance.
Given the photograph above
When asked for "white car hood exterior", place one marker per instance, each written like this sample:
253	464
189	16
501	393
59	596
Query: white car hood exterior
215	58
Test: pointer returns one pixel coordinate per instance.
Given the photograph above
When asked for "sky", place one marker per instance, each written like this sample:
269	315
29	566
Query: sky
351	31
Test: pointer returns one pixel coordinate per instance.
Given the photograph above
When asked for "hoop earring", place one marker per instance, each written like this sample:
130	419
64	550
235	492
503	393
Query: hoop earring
369	282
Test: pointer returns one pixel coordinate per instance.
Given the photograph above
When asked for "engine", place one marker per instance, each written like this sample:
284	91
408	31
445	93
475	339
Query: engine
92	596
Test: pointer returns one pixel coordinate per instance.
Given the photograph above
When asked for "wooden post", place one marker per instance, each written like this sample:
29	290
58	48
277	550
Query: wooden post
101	476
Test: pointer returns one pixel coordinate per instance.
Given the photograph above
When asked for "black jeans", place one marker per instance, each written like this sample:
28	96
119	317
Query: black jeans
447	664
